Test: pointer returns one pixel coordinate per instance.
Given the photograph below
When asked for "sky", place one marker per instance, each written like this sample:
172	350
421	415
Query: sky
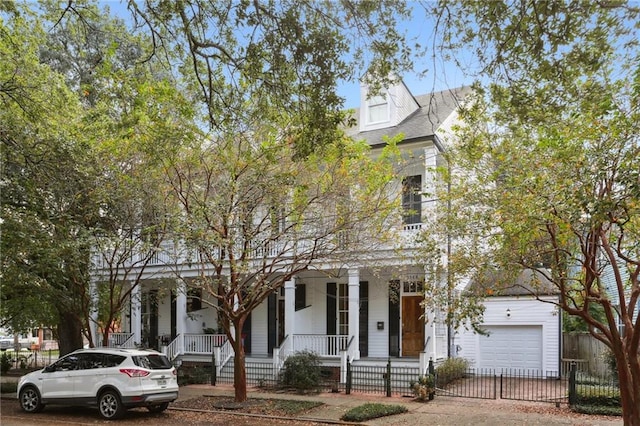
431	73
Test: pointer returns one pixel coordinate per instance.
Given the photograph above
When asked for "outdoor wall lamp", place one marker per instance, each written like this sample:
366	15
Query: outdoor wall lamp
508	313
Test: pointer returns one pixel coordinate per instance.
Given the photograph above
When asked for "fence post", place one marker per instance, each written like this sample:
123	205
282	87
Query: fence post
573	396
214	373
495	385
432	374
387	379
348	384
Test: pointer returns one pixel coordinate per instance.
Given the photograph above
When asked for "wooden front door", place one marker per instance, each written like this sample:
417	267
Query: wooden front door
412	326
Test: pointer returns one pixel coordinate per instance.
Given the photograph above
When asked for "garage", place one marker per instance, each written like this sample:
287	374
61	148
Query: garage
514	347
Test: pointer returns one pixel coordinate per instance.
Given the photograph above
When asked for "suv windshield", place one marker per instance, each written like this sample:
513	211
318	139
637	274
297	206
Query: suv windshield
152	361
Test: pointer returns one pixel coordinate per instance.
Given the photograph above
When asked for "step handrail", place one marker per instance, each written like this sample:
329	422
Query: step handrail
223	354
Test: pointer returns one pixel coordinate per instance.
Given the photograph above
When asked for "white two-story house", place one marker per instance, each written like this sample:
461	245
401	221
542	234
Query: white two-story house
366	310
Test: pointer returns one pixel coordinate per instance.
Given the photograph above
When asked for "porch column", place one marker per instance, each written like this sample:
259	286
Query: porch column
290	308
354	310
135	322
181	312
430	178
93	312
430	326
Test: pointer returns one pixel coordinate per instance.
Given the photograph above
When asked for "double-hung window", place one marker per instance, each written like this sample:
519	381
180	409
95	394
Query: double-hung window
377	109
412	199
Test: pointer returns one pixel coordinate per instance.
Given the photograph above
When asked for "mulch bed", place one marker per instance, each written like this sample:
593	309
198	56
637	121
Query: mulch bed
264	406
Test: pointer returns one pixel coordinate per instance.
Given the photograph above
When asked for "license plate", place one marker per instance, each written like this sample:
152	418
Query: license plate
162	382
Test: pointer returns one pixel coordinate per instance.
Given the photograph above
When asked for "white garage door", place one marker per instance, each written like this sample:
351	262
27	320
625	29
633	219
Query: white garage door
517	347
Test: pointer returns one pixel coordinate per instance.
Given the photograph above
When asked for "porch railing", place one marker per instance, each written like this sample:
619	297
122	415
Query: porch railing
222	354
281	354
203	343
118	340
346	356
424	358
174	348
321	344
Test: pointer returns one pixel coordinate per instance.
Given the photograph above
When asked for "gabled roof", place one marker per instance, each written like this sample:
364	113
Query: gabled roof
423	123
527	283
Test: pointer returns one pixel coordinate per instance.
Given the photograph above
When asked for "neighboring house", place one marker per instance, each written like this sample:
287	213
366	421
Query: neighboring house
609	282
524	331
378	309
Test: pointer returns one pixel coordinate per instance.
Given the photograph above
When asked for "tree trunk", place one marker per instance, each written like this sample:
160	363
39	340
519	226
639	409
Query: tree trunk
239	368
629	393
69	333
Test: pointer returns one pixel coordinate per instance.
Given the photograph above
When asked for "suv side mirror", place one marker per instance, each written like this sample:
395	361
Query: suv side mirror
50	368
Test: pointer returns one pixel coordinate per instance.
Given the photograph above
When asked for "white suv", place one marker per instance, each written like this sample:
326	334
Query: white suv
111	379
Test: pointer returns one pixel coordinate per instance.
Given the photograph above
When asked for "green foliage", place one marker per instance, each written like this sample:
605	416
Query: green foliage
544	172
597	410
598	395
8	387
5	362
194	375
610	361
424	388
279	56
451	369
370	411
302	371
572	323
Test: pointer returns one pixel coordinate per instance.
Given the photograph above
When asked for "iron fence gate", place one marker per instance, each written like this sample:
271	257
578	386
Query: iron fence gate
522	385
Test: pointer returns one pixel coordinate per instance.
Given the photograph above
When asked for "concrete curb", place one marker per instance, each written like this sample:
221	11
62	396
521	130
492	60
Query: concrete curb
266	416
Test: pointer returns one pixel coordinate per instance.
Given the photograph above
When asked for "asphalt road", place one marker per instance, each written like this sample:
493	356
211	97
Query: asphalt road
11	415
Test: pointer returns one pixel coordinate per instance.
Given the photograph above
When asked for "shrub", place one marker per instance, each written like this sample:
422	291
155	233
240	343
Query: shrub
601	395
5	363
451	369
302	371
8	387
194	375
370	411
597	410
424	388
610	361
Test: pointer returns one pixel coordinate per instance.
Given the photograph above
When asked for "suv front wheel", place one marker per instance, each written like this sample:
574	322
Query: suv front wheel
30	400
110	406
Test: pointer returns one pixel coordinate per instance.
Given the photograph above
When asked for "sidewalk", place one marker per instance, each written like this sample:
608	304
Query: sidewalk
445	411
441	411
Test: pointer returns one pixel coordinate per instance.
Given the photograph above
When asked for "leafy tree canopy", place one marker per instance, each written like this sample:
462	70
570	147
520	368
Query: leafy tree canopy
547	172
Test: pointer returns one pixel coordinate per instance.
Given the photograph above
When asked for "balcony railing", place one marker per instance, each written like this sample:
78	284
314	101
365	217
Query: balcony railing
170	253
412	227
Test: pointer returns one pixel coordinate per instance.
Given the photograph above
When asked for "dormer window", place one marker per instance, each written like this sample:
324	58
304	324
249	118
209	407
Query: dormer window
377	109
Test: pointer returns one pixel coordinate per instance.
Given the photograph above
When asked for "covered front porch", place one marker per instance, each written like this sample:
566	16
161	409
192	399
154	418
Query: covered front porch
341	315
334	351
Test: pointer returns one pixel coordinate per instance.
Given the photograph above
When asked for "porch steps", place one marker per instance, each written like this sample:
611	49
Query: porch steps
259	371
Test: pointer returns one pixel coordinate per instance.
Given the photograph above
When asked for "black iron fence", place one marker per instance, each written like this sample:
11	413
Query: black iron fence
388	380
576	388
586	390
522	385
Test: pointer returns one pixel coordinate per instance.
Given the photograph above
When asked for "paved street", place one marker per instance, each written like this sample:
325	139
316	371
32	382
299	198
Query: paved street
441	411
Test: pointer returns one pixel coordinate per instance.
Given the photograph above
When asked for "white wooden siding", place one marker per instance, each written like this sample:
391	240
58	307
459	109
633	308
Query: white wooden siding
378	311
260	329
524	311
